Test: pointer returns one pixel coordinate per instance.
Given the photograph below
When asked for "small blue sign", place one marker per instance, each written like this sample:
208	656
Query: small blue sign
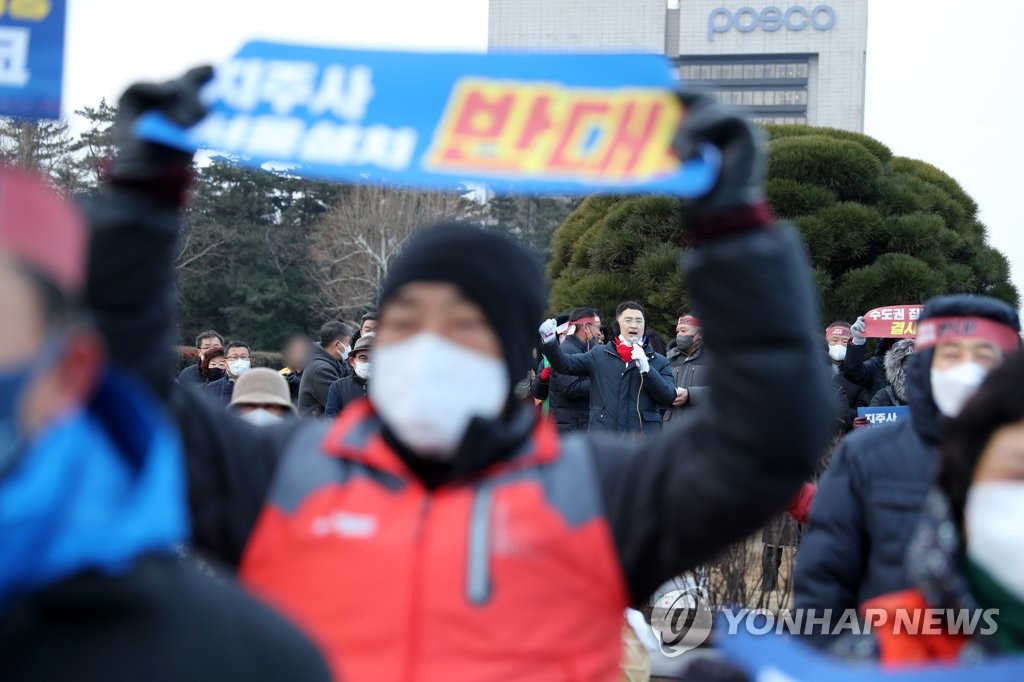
877	416
31	57
515	122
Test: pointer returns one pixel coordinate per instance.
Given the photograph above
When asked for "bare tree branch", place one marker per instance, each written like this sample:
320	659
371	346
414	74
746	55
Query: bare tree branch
353	245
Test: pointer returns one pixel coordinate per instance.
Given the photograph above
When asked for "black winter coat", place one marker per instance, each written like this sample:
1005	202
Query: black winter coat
342	393
191	376
220	391
868	374
868	504
570	395
162	621
322	370
621	398
758	305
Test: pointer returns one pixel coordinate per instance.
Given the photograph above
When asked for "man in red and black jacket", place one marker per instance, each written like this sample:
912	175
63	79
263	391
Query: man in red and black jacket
440	530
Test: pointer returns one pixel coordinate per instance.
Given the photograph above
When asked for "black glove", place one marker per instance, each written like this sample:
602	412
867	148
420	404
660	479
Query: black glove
741	179
141	161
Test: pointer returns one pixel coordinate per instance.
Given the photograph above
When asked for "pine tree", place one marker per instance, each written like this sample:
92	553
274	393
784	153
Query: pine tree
43	147
881	230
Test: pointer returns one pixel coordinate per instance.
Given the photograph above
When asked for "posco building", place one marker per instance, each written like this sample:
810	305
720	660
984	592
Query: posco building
800	63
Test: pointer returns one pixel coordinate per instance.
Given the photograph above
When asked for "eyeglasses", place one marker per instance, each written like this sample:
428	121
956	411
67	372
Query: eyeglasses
238	357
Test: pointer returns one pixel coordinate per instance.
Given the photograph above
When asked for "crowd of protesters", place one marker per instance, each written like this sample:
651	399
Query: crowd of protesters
391	510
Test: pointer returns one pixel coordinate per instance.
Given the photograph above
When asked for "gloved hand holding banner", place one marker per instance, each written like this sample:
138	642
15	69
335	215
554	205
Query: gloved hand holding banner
517	122
892	322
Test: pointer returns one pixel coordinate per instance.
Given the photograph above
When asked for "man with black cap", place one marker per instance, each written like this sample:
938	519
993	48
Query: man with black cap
93	509
441	530
871	498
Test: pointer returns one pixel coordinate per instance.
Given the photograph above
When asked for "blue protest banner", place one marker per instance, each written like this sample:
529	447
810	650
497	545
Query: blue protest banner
516	122
783	658
31	57
884	415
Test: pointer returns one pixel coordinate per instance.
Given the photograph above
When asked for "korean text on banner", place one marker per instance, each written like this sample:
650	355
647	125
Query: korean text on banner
884	415
31	57
892	322
516	122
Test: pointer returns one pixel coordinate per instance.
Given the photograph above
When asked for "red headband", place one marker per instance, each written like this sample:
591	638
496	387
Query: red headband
936	330
843	332
689	320
584	320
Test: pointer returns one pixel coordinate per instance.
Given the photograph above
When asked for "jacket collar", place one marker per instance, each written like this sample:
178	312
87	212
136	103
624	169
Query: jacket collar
517	441
95	491
319	351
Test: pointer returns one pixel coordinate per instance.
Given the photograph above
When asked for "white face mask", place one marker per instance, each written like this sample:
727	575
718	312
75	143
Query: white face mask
363	370
428	389
953	387
262	417
995	534
238	367
837	353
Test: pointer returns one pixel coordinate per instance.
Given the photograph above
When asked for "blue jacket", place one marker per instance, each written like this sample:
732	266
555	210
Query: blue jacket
621	399
92	583
219	391
868	504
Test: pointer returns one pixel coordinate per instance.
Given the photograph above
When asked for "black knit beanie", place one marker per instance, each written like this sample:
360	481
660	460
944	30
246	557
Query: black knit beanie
491	270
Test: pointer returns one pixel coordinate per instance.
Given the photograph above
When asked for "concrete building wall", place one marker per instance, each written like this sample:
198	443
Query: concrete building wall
577	25
710	31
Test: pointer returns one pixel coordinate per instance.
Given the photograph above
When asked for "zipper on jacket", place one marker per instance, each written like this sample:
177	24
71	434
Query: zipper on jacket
478	576
416	603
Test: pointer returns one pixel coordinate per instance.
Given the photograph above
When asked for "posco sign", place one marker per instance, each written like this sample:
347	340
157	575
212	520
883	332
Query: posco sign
770	19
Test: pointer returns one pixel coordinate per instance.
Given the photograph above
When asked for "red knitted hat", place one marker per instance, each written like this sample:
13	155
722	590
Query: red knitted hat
40	229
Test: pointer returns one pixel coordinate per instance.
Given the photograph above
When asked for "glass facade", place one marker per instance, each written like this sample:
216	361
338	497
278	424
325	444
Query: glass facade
772	89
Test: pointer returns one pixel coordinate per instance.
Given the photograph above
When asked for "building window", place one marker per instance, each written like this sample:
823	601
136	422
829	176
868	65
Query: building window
772	89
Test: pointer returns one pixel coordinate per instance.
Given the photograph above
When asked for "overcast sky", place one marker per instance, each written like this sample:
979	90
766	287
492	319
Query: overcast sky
943	76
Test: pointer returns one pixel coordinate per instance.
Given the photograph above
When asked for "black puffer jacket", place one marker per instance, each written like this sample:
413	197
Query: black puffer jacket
622	399
570	395
868	374
165	620
867	506
869	502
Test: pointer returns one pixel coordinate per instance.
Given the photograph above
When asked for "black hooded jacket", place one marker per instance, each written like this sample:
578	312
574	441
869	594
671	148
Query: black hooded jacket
870	499
570	395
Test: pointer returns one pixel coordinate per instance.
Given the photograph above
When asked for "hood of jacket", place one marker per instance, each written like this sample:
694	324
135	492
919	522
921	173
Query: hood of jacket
895	366
96	490
923	410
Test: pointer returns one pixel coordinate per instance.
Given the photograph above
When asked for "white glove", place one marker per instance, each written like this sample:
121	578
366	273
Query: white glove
548	331
858	330
641	359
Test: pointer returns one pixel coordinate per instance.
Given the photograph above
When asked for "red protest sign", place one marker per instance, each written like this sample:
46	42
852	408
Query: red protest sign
892	322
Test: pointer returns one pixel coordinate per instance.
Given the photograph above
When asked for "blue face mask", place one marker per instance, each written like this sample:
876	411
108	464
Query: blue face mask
13	381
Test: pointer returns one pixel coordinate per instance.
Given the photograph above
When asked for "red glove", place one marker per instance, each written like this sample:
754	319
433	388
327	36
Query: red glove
860	423
545	374
801	504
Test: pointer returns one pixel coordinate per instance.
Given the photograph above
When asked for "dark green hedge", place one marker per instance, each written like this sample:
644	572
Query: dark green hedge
880	230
